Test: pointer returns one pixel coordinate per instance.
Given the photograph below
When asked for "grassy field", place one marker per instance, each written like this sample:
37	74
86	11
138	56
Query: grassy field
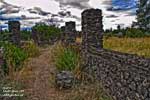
139	46
37	75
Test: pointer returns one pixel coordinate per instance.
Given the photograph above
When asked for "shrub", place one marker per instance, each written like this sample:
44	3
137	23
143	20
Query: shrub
133	33
25	35
65	58
14	57
109	34
5	36
128	32
47	32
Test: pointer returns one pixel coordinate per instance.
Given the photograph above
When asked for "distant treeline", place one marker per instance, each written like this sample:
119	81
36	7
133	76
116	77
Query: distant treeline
128	32
44	32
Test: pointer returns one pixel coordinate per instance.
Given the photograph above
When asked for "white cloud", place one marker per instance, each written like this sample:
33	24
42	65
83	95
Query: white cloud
81	4
55	6
46	5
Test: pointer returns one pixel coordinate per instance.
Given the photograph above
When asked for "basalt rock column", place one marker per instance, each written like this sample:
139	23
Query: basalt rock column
92	29
35	36
62	33
1	63
14	29
70	32
92	36
62	28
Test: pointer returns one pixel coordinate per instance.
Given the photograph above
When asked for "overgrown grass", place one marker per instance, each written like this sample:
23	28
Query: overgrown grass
13	85
31	49
65	58
139	46
88	92
83	91
25	35
14	57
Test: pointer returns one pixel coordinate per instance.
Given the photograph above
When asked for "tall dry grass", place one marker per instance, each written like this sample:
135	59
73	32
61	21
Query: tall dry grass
139	46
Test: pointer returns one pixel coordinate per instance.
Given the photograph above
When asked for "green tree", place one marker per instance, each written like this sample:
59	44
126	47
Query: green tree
143	17
46	32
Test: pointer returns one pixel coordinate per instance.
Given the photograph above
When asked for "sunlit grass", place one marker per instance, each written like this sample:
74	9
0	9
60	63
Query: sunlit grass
139	46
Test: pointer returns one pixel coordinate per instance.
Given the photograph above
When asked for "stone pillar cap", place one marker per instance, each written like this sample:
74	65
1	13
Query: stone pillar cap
92	10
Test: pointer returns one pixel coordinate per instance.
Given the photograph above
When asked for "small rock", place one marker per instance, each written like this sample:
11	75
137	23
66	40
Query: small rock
64	79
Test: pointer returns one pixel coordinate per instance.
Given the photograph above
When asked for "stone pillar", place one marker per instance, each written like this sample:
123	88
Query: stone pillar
1	56
62	33
35	36
62	28
70	26
14	29
1	63
70	32
92	29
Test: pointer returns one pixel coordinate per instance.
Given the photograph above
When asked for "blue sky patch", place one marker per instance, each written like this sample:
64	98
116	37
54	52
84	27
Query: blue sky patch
124	4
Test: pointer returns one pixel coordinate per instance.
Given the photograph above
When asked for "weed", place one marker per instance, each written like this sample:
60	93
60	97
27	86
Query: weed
65	58
14	57
31	49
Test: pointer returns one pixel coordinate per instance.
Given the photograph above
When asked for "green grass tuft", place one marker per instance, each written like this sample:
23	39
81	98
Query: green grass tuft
65	58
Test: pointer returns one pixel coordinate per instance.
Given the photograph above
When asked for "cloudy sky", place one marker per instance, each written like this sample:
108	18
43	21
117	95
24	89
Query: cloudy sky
29	12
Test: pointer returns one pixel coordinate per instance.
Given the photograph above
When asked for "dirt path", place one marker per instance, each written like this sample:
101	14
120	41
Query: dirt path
38	80
37	76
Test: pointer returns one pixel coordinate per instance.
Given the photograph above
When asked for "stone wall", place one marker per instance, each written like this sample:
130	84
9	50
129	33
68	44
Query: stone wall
70	32
124	76
14	29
